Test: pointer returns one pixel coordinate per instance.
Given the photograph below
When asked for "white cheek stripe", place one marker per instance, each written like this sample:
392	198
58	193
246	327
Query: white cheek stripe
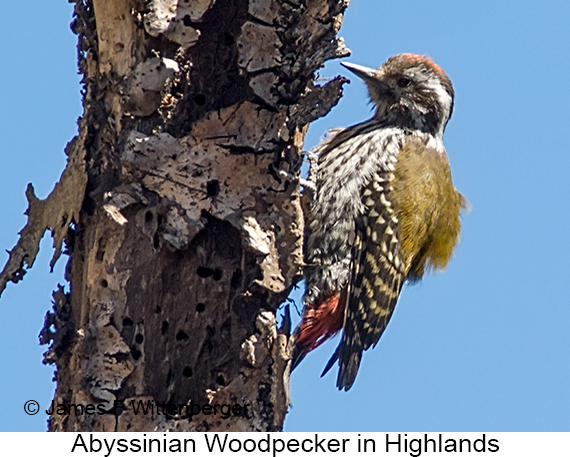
444	100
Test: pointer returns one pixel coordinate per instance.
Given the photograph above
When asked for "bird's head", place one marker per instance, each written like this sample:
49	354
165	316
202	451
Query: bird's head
410	91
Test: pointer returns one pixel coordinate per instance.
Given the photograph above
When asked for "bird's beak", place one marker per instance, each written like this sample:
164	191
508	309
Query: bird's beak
360	71
369	75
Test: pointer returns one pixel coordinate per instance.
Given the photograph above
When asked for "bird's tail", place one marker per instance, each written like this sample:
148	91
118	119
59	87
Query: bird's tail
321	321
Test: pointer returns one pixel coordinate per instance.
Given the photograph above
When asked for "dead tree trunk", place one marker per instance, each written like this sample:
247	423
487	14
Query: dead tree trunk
183	236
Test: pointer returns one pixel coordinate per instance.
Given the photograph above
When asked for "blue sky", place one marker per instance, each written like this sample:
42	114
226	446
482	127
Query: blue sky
483	346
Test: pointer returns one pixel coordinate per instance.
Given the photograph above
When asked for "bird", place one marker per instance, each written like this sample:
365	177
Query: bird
380	210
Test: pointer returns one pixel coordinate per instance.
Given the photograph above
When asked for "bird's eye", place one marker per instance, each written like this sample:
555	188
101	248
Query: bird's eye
404	81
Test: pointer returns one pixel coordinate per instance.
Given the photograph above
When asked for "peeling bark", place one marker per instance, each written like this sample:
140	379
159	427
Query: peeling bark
183	238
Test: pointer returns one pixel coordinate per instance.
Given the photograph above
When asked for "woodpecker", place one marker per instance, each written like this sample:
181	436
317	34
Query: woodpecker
381	210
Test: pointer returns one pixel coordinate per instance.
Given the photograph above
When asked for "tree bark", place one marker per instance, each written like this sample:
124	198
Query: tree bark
183	235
